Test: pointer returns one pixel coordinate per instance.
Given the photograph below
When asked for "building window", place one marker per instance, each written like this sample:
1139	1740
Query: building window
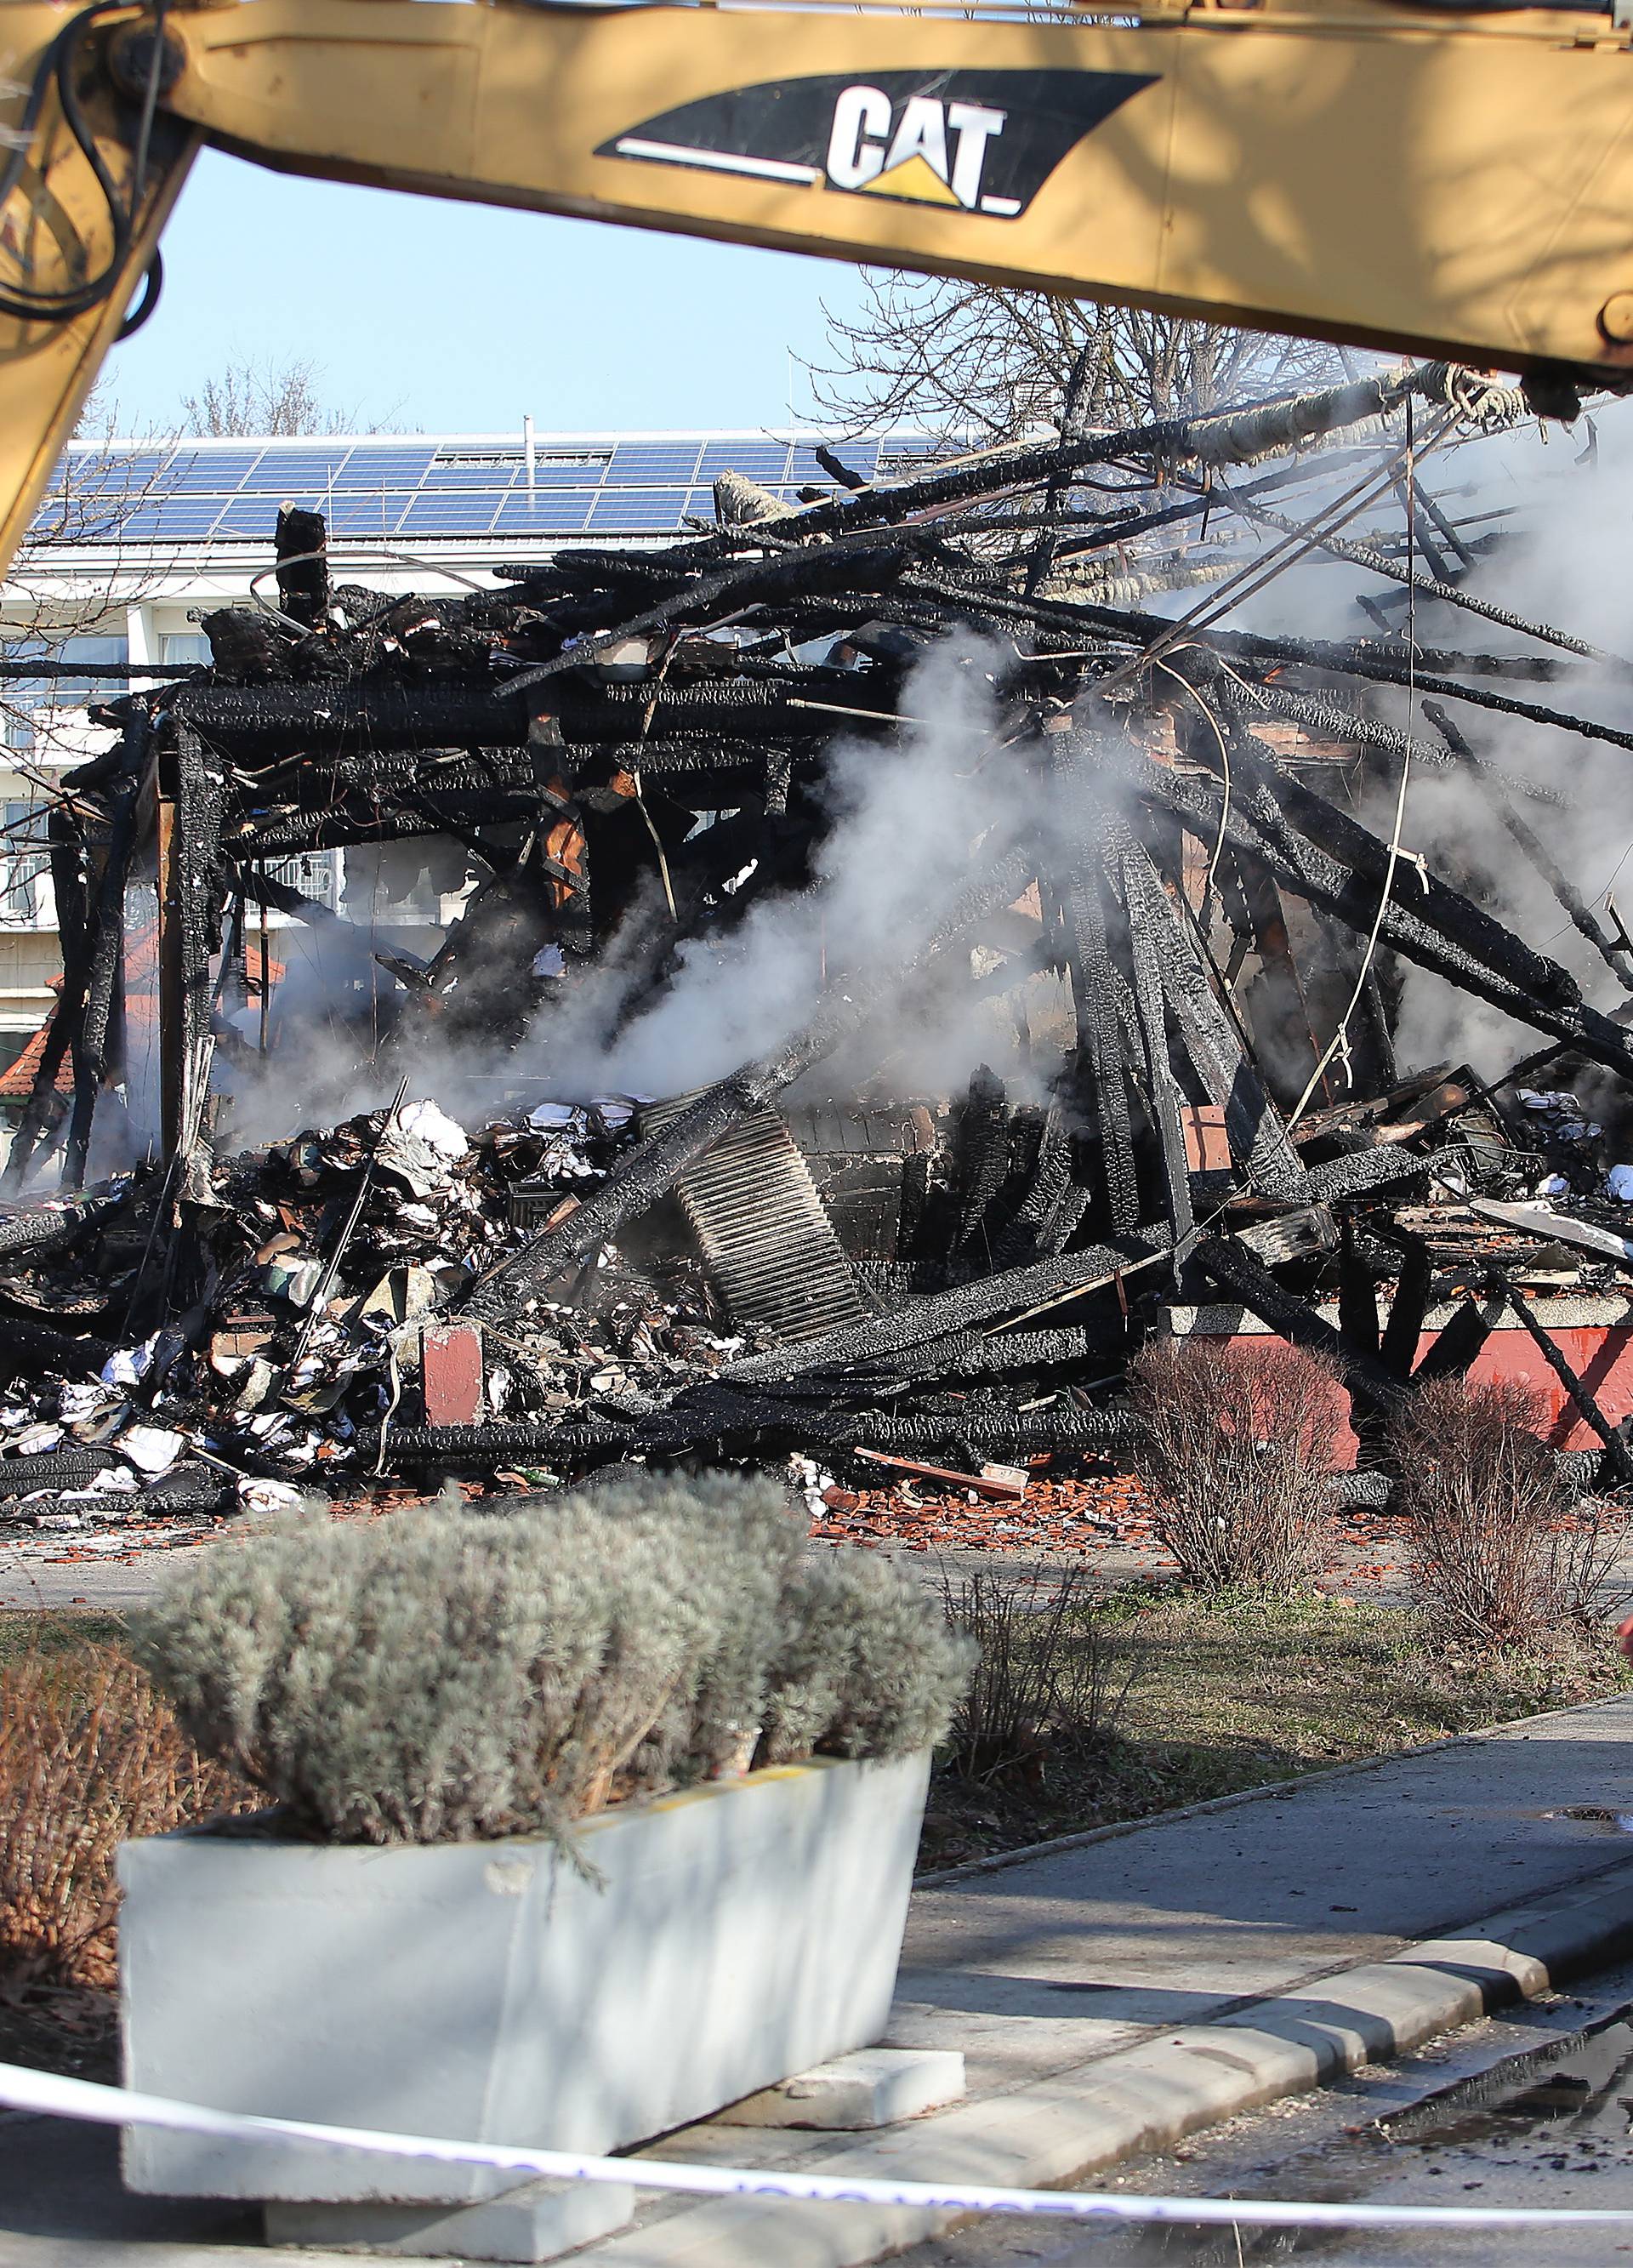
35	707
24	864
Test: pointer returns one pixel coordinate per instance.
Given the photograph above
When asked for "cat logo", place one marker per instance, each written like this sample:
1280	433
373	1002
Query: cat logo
903	152
974	141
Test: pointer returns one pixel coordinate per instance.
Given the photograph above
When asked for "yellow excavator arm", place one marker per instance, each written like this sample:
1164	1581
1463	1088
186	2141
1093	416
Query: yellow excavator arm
1445	178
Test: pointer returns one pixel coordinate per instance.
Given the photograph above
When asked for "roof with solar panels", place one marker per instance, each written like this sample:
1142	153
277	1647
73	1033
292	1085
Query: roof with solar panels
484	490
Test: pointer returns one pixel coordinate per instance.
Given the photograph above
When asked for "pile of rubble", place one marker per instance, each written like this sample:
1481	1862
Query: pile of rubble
629	752
327	1262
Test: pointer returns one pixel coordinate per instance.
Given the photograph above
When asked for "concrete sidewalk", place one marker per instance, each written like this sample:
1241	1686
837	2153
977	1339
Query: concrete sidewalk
1074	1952
1108	1996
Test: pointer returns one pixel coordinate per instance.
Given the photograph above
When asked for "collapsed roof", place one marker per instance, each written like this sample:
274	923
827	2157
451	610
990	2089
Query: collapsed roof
958	772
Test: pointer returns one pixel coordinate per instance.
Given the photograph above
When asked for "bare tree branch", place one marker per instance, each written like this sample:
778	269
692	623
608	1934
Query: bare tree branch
276	399
994	364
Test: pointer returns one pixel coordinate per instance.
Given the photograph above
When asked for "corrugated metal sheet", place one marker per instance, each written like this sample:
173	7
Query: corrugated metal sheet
763	1231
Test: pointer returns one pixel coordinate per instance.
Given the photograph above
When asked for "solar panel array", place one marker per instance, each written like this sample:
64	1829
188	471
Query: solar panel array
430	489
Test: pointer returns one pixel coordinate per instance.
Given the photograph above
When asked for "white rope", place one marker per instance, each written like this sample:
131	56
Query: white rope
1339	1045
1225	773
111	2106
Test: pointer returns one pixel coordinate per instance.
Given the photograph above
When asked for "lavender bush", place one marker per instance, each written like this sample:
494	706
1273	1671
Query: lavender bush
441	1675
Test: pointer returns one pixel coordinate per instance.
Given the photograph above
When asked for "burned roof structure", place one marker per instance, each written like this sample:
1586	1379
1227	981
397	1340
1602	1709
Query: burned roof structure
1182	839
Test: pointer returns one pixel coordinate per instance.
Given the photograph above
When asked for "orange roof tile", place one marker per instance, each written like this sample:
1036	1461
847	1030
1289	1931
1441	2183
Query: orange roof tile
17	1081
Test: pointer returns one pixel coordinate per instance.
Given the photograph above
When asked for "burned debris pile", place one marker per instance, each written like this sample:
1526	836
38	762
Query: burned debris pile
1154	901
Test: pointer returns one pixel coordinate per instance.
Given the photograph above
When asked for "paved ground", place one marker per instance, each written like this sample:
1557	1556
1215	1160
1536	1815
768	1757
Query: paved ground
113	1571
1103	1525
1040	1967
118	1568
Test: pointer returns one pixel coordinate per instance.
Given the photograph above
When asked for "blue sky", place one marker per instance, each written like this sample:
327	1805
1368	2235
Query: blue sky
456	317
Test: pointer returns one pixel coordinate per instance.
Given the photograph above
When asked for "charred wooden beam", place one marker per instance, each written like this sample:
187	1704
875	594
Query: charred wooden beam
1361	1172
1428	586
1215	1048
1232	437
1018	1292
1434	902
264	889
1357	1293
191	803
300	542
1245	1277
347	823
739	1423
262	723
1281	1003
969	1354
981	1151
1161	1088
1580	1398
1259	827
1046	1215
1398	1351
58	1228
1100	1093
104	971
1614	954
1455	1345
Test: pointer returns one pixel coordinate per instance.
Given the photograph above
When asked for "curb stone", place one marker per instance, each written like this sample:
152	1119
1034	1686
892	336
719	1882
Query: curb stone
1080	2122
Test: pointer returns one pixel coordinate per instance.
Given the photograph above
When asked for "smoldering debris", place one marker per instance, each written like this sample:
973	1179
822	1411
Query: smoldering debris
885	969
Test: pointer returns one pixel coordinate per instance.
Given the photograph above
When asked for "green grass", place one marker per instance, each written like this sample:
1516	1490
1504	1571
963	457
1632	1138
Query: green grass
64	1630
1314	1680
1237	1692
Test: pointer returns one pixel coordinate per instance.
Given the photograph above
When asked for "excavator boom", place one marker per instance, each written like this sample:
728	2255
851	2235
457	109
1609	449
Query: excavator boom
1417	177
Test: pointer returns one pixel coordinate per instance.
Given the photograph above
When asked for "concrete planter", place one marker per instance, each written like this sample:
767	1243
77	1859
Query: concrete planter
733	1935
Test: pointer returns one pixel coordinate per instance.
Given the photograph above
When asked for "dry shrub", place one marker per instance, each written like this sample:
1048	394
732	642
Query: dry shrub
1590	1551
89	1755
1046	1679
1497	1556
1234	1448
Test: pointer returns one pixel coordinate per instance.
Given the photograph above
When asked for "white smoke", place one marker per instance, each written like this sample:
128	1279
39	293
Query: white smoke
904	817
1559	503
903	821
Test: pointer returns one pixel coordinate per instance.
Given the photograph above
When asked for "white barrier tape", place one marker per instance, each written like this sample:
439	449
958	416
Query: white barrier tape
111	2106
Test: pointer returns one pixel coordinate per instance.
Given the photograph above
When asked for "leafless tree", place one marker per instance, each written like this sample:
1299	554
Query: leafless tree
982	366
66	620
993	363
98	420
60	618
266	397
93	497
